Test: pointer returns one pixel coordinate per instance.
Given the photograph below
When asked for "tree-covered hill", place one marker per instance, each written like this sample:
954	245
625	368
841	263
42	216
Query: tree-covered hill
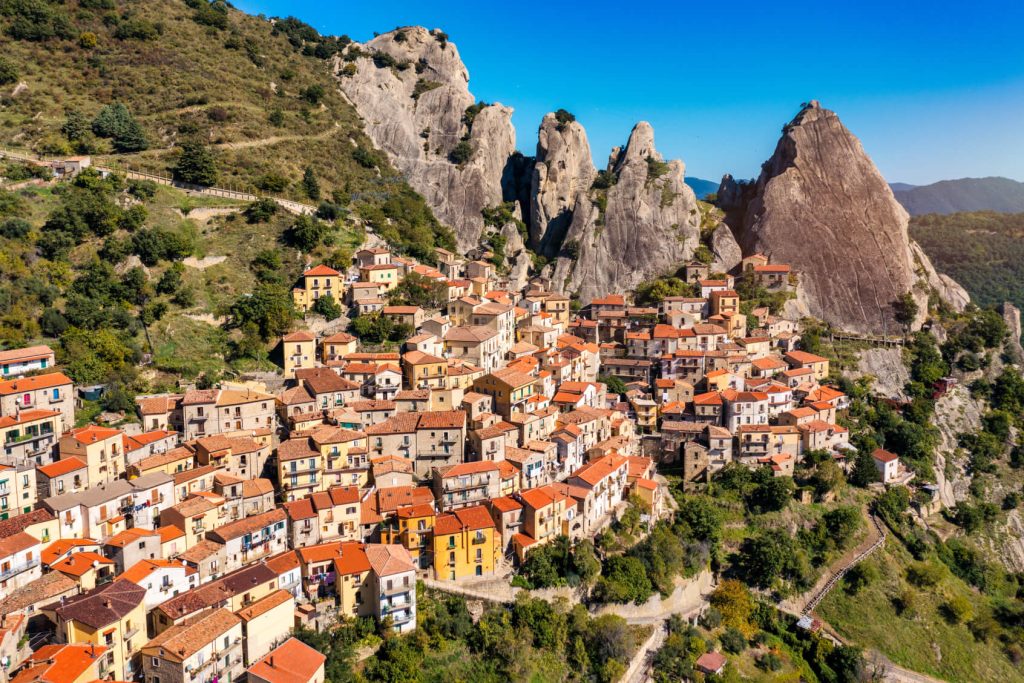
136	83
983	251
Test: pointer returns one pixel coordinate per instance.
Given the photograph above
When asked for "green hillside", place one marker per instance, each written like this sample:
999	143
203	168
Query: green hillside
108	270
983	251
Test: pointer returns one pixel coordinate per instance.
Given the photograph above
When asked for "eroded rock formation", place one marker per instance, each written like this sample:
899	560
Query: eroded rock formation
412	91
563	169
821	206
644	225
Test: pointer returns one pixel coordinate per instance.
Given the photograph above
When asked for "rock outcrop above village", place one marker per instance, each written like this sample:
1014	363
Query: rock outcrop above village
641	221
821	206
412	91
562	171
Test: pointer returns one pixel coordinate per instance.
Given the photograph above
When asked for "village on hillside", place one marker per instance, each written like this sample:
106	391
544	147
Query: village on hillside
201	533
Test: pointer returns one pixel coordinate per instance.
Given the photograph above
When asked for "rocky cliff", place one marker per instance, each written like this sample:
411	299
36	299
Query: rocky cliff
821	206
412	91
640	221
563	169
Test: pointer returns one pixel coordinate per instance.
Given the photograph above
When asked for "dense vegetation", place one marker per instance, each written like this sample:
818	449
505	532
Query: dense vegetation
983	251
530	640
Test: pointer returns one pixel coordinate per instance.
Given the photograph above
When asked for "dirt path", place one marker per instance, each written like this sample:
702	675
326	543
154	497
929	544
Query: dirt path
275	139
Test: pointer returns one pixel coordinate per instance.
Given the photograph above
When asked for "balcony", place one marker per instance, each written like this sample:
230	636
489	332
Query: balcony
130	633
14	571
478	540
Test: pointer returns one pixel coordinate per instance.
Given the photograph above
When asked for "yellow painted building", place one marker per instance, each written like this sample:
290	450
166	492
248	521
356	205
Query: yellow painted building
299	350
385	276
413	528
465	544
317	282
114	616
424	371
102	449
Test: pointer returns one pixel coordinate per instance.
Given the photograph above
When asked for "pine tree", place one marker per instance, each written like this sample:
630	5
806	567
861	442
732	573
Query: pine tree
196	164
310	184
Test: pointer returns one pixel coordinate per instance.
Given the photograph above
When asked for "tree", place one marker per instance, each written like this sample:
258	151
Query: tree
905	309
614	384
269	308
864	470
771	493
306	233
625	580
196	164
310	184
327	307
419	290
733	601
115	122
860	576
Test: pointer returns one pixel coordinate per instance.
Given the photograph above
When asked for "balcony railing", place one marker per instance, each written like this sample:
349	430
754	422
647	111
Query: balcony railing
14	571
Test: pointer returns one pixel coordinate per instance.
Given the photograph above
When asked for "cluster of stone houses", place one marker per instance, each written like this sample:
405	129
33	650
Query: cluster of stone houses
188	546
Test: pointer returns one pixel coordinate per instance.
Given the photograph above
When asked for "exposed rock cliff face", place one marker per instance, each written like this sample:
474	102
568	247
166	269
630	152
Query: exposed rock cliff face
821	206
644	225
563	169
412	104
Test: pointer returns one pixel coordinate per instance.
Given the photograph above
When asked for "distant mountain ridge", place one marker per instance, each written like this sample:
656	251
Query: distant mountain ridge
701	187
964	194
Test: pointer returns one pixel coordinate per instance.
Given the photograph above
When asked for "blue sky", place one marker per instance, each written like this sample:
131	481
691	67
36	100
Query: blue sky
935	90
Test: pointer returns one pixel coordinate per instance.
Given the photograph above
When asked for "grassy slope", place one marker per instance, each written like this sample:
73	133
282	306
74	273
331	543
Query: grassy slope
926	642
178	83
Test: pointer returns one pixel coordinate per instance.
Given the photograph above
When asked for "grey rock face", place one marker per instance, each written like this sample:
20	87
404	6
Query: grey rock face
644	225
822	207
725	249
414	110
563	169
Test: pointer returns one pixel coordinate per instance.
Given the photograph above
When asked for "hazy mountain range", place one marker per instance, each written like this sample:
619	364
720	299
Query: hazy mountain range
944	197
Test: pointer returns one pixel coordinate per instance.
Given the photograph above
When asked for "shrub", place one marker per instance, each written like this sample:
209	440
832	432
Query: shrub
276	118
656	168
365	158
271	182
564	118
14	228
213	14
924	574
958	609
327	307
461	153
8	73
261	210
733	641
314	94
135	29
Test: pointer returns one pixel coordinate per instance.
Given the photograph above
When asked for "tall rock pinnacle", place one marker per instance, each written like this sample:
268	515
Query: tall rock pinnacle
412	91
821	206
640	221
